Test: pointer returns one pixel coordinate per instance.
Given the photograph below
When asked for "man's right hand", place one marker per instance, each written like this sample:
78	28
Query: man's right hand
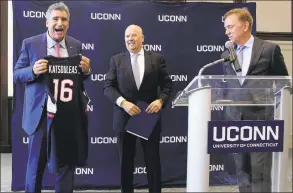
130	108
40	67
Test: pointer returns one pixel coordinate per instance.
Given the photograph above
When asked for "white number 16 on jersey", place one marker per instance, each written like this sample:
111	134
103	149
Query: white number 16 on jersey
65	90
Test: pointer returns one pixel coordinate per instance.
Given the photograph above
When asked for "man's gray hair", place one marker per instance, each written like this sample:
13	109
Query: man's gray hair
57	6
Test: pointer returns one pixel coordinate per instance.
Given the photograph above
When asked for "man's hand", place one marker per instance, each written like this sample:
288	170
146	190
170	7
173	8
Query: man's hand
85	64
130	108
40	67
155	106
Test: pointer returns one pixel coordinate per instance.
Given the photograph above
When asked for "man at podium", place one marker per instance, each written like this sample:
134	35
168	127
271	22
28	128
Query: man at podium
255	57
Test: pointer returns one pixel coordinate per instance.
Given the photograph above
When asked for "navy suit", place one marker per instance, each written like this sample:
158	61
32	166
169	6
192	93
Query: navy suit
156	84
254	169
34	120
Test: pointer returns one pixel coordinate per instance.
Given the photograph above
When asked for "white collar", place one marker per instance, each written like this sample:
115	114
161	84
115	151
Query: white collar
141	52
249	42
51	43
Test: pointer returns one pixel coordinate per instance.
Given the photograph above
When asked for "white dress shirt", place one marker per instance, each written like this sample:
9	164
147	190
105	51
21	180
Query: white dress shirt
141	63
51	50
247	52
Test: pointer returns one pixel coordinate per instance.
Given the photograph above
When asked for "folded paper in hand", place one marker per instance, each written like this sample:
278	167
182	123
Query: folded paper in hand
142	124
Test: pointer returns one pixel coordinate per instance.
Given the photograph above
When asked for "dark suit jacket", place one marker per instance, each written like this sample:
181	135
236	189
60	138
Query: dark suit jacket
33	49
266	59
156	84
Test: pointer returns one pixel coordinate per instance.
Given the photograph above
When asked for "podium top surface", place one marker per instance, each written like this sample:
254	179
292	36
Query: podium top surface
236	90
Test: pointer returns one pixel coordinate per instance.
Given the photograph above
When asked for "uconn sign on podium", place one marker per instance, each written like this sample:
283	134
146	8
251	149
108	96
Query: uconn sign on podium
245	136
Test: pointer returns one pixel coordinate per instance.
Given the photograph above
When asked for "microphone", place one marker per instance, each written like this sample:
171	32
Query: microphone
233	56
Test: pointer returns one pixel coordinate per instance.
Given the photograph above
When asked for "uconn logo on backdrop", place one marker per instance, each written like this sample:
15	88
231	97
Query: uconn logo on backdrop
172	18
34	14
216	168
174	139
25	140
139	170
90	108
178	77
98	77
88	46
245	136
245	133
210	48
106	16
103	140
150	47
84	171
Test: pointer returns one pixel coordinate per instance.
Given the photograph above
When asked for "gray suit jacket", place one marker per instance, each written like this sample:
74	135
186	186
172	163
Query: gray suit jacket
266	59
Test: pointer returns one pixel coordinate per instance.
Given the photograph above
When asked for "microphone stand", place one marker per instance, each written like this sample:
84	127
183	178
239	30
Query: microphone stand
209	65
182	93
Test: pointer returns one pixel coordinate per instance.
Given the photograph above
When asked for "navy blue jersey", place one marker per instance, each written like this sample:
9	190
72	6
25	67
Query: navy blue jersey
69	124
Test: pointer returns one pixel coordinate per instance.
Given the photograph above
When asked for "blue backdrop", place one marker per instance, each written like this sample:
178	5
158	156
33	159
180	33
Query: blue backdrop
188	35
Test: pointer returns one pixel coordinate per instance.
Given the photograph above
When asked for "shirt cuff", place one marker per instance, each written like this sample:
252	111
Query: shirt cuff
119	101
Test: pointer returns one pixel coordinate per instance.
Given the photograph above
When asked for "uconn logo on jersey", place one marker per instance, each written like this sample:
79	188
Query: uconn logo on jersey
174	139
106	16
172	18
210	48
34	14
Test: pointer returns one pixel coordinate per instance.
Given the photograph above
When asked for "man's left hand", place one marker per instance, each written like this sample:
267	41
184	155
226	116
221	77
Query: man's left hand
85	64
154	107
